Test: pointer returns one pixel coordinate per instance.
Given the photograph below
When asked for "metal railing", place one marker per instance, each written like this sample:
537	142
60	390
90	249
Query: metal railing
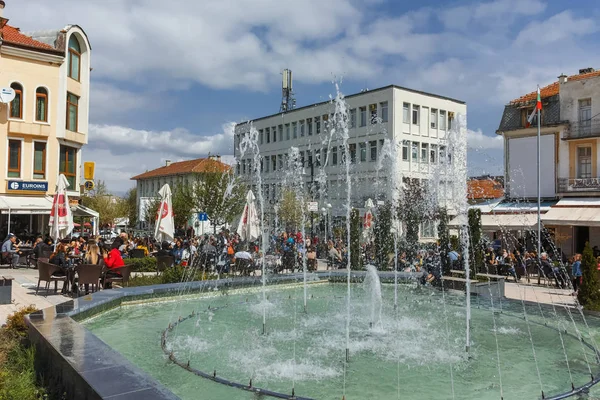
583	129
578	185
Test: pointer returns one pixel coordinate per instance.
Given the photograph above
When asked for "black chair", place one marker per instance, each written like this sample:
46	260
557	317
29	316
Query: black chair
164	262
89	274
122	277
137	253
48	273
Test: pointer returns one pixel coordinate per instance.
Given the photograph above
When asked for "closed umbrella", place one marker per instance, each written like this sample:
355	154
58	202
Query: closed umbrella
165	226
249	227
61	217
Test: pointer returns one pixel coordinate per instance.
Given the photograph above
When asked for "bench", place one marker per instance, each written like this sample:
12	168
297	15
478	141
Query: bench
459	272
6	289
451	282
490	276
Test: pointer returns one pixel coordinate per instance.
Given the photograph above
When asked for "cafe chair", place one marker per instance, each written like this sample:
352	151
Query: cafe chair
47	273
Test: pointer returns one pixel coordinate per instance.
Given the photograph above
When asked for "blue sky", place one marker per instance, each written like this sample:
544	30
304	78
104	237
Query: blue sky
170	77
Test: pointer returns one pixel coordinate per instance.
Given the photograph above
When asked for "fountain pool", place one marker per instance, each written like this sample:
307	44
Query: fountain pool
406	353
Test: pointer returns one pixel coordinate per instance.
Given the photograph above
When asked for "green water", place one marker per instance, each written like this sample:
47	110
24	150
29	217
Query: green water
407	354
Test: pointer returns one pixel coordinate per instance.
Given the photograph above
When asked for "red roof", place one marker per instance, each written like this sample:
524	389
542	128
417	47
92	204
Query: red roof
479	189
12	35
200	165
554	88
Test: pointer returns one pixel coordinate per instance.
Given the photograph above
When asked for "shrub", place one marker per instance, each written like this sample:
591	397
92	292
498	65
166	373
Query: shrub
146	264
355	250
589	292
15	323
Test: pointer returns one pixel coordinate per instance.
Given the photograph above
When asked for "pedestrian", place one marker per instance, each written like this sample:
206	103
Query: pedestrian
576	273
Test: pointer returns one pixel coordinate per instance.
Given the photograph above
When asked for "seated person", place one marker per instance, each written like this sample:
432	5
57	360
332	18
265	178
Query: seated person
59	257
10	251
244	257
165	249
113	260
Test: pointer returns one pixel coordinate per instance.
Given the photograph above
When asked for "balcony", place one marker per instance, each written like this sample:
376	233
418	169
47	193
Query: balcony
583	129
576	185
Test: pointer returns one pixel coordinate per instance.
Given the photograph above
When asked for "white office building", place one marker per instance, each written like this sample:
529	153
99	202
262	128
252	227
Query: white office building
417	122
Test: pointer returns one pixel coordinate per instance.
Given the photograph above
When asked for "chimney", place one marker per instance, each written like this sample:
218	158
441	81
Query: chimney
167	162
586	71
562	78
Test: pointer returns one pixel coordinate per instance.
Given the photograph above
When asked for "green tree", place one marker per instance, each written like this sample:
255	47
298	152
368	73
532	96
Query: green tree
444	235
184	204
384	240
290	210
589	292
108	206
475	243
151	210
412	212
131	204
355	231
220	194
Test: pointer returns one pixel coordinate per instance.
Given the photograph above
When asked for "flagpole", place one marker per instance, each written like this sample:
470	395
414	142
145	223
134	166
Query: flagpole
539	219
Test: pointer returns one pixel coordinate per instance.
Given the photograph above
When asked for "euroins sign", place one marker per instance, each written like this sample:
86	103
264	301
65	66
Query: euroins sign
24	186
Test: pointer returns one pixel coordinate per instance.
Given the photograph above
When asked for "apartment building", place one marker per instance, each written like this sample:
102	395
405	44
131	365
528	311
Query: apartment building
43	130
570	131
417	122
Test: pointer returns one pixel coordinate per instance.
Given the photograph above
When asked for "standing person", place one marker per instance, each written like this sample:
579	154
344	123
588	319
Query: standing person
576	273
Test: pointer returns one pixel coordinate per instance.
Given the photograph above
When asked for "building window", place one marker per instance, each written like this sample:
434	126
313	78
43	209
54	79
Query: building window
318	157
260	136
415	114
450	118
415	152
353	118
352	149
287	131
424	151
14	158
41	104
68	165
584	162
384	111
373	113
294	130
274	131
442	157
373	146
363	152
428	229
317	125
433	118
280	130
280	161
74	58
309	125
405	145
273	163
16	106
585	115
433	154
267	163
325	119
301	128
268	134
406	113
72	112
363	116
39	160
334	154
443	120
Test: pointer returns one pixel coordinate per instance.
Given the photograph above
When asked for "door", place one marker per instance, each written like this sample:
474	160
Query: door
582	235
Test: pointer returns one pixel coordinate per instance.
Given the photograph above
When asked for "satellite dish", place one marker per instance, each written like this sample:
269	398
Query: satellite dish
7	95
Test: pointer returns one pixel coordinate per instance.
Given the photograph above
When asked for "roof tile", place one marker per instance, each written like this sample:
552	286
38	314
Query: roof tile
553	89
199	165
484	189
10	34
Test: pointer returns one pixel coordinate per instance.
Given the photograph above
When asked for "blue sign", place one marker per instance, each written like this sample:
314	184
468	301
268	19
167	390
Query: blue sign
28	186
202	217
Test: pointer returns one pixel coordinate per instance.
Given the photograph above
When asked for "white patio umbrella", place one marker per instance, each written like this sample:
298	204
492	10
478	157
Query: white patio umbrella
165	226
61	217
368	221
249	227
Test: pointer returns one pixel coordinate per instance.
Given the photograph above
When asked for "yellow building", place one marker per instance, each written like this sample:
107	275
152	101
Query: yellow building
45	126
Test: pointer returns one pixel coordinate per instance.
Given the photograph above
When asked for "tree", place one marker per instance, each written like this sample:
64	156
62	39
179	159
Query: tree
589	292
108	206
475	244
183	204
151	210
132	206
290	210
220	194
444	235
412	211
384	240
355	223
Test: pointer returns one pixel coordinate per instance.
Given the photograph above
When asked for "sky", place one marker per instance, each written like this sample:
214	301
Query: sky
170	77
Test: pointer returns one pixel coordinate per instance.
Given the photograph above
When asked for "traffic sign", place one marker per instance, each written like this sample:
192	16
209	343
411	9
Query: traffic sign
88	170
313	206
89	185
202	217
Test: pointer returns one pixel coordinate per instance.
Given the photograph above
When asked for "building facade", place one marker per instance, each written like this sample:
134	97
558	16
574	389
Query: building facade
570	132
416	122
174	173
45	126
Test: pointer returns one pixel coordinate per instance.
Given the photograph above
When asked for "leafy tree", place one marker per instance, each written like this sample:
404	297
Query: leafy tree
384	240
132	206
589	292
220	194
183	204
151	210
108	206
412	212
475	244
355	231
290	210
444	235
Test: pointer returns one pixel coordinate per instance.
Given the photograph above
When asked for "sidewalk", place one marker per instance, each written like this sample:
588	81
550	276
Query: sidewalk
538	294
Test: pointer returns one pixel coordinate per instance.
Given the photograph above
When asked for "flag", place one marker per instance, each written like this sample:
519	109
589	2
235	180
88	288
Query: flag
538	107
165	226
61	217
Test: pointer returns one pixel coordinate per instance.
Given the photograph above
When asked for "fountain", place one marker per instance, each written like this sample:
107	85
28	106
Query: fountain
331	341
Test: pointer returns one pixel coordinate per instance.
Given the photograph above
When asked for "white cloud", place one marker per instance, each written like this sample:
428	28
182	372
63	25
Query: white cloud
555	29
476	140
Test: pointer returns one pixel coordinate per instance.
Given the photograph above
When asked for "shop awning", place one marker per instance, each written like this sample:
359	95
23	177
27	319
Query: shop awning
495	222
83	211
574	212
25	205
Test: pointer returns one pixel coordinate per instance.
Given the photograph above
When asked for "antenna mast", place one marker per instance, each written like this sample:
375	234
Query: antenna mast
288	102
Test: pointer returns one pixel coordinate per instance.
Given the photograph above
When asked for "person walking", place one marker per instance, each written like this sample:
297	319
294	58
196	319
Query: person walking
576	273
